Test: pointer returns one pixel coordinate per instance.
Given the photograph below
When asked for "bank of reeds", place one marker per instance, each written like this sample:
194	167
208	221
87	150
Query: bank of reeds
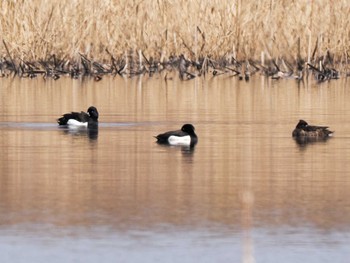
277	37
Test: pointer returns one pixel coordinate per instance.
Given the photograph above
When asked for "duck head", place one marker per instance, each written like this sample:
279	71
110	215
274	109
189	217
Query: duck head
301	124
188	128
93	113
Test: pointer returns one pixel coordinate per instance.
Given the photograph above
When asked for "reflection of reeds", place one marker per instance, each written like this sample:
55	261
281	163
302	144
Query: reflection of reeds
297	31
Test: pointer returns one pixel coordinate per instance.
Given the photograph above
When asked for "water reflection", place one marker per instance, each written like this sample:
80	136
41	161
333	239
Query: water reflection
246	187
187	151
91	132
304	141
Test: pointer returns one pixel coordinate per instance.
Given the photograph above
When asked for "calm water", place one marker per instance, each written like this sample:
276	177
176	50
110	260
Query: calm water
246	193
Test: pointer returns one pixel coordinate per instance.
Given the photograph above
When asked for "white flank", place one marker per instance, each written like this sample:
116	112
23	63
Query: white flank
176	140
76	124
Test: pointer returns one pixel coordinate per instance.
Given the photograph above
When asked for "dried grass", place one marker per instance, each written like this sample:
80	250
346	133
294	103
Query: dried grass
36	29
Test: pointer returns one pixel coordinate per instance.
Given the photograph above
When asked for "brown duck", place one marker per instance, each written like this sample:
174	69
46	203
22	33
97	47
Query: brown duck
304	130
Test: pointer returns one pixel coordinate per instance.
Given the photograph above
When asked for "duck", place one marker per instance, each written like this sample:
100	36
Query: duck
304	130
80	119
184	137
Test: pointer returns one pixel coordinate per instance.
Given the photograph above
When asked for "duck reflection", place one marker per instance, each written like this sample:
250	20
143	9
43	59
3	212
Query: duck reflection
187	151
91	132
304	141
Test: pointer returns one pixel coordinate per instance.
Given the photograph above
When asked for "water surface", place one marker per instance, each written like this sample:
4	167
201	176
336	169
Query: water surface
246	193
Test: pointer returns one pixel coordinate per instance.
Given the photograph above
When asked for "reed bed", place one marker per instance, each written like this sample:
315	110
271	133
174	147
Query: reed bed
233	36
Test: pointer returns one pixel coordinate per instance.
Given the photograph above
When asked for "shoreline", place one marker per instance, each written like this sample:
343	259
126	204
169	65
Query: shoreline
132	64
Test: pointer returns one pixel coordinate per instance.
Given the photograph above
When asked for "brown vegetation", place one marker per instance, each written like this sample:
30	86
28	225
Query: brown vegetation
234	34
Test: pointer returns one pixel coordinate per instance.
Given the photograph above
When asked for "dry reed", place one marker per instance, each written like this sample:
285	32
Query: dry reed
270	29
